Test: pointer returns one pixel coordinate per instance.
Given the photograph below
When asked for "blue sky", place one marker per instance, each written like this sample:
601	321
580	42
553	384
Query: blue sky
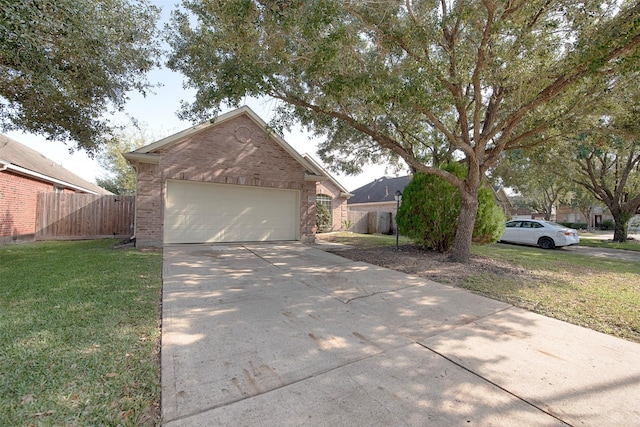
157	112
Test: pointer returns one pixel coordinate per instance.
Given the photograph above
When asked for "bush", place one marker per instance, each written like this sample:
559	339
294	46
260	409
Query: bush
490	220
607	225
323	218
430	207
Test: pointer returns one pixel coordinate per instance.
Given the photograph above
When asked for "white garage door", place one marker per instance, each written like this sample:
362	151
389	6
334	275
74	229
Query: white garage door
202	212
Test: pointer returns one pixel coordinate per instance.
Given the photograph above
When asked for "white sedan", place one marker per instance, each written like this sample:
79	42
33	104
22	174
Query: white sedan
545	234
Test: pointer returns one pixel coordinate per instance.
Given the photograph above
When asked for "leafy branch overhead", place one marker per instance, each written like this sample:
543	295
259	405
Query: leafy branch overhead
65	64
407	79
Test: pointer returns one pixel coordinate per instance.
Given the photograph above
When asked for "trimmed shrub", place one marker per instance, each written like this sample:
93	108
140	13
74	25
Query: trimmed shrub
430	207
607	225
323	218
490	220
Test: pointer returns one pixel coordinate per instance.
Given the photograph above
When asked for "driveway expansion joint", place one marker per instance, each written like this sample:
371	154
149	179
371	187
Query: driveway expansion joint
380	292
263	259
522	399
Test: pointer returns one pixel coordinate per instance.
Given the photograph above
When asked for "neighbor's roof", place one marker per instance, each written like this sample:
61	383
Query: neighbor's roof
20	159
381	190
147	154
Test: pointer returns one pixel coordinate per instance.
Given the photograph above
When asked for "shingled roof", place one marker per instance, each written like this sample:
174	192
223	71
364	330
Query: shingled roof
23	160
381	190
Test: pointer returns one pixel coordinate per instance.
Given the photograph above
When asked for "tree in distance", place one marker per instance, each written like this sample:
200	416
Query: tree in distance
387	81
121	177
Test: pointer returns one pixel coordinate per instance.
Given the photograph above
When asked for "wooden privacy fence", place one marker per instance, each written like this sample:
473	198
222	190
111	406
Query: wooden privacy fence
61	216
370	222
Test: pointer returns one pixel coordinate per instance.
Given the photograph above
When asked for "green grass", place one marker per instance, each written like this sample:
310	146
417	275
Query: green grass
79	334
599	293
598	243
363	240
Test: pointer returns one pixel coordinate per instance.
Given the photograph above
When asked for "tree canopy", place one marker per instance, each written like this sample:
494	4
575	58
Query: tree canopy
393	79
64	64
607	154
597	151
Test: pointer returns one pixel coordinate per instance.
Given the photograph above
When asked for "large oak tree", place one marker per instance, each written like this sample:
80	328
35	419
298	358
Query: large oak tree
606	151
377	78
64	64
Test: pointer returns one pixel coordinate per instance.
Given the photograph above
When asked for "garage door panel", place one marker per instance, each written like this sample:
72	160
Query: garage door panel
203	212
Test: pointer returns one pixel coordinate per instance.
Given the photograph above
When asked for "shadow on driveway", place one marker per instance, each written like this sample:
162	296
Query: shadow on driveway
286	334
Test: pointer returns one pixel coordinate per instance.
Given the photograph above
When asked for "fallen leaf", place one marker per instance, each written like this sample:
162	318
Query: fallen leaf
111	375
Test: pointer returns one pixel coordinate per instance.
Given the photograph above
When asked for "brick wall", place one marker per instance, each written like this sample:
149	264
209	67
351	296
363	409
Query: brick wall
234	152
18	200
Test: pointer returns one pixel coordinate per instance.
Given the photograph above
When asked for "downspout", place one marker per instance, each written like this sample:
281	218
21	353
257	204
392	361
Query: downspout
135	211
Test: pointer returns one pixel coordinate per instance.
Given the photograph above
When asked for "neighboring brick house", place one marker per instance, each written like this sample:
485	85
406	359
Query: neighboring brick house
378	195
227	180
504	201
23	174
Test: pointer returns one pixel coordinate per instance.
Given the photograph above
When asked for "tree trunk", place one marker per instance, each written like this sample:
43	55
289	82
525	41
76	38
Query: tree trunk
621	227
466	221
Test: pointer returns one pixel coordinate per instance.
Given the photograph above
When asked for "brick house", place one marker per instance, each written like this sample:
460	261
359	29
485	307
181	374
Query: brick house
226	180
23	174
378	195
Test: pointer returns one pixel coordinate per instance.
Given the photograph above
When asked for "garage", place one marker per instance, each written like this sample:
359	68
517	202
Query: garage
230	179
206	213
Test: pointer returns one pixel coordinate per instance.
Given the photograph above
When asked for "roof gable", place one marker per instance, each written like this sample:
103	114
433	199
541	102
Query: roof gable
149	153
26	161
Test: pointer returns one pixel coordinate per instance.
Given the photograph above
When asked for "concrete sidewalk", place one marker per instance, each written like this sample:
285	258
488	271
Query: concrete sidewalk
281	335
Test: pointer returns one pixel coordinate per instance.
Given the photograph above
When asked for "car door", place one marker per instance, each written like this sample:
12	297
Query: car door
511	231
530	232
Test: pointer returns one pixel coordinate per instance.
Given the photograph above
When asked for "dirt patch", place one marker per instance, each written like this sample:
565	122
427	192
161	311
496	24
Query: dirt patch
428	264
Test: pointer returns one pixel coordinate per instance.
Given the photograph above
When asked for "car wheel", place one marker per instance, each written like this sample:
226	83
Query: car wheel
546	243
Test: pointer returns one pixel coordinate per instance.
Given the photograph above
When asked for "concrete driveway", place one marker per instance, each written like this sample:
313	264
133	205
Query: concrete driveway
289	335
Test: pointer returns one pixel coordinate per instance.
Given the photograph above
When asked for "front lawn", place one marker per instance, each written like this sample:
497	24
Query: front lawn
79	334
362	240
599	293
630	245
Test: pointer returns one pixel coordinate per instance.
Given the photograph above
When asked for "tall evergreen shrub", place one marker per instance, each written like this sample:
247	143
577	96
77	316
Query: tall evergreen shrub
429	212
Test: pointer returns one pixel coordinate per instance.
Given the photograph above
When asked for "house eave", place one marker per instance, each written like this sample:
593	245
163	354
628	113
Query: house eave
314	178
133	156
372	203
41	177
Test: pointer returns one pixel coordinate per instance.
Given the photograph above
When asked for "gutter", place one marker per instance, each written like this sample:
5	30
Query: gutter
314	177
